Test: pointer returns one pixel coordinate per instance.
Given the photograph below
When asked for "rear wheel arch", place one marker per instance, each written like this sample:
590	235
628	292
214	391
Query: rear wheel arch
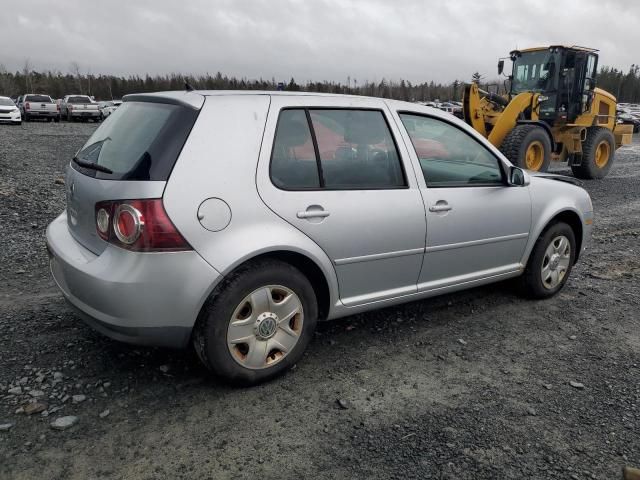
307	266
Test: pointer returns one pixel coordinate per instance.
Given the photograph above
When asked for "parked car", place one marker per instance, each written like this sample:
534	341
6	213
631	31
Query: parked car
235	221
38	106
80	107
629	119
9	112
108	107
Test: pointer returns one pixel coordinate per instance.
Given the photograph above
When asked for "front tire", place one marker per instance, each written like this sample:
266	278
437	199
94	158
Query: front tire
550	262
257	324
598	151
528	146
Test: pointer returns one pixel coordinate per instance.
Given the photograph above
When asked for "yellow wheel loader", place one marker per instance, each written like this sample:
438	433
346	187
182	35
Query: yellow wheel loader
553	111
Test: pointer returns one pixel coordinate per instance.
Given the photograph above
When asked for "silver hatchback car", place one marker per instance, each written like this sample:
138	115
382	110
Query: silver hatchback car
234	221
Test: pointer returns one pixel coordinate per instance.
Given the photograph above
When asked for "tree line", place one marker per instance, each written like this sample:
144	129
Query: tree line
626	86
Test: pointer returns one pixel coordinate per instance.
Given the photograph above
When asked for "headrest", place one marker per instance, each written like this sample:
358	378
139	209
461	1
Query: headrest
365	128
292	132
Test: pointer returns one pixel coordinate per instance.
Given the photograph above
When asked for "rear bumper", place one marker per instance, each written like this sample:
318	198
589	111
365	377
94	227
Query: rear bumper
41	114
84	114
141	298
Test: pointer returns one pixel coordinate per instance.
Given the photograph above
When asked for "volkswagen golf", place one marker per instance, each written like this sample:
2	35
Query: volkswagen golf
235	221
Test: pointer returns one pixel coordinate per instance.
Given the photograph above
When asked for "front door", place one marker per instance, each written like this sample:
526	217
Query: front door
337	175
477	225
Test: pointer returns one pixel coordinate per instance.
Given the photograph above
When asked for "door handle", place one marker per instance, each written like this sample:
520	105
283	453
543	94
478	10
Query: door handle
440	206
313	214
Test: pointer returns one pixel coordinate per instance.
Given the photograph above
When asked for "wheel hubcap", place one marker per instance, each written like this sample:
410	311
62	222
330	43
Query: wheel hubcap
265	327
535	156
555	262
602	154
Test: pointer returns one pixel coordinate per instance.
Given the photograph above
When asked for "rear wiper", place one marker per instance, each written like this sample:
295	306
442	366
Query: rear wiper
92	166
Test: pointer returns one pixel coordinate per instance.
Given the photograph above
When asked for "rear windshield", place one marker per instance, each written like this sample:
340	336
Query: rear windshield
38	98
138	141
79	100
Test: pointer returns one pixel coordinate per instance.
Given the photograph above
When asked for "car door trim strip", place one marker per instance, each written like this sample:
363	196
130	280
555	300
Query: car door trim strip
482	241
379	256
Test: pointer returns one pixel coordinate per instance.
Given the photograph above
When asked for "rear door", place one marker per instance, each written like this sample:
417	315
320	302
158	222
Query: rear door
333	169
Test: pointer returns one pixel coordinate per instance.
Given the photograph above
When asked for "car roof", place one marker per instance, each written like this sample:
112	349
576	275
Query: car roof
195	98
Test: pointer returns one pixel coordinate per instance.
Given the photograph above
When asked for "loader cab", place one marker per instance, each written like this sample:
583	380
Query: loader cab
565	78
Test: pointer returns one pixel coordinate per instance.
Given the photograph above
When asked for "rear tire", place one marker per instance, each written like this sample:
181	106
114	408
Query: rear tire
528	146
598	152
26	118
550	262
218	322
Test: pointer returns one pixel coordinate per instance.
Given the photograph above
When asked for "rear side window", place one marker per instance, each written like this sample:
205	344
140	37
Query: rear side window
139	141
338	149
38	98
293	162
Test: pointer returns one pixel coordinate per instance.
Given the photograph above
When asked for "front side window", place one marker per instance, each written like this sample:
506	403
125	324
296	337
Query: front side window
534	71
335	149
450	157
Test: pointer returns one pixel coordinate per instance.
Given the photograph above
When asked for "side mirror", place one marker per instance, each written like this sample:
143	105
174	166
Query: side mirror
518	177
500	67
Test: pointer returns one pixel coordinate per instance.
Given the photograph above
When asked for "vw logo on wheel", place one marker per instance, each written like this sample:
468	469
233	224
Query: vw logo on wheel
266	327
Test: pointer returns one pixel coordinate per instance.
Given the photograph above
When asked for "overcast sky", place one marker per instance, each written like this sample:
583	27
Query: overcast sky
309	40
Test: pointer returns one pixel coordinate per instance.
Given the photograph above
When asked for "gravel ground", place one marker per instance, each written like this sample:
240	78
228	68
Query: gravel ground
476	385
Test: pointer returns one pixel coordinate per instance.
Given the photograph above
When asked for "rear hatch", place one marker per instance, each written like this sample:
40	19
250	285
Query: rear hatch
130	156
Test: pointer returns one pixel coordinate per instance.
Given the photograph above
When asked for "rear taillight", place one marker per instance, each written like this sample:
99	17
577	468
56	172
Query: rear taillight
57	106
138	225
27	106
69	107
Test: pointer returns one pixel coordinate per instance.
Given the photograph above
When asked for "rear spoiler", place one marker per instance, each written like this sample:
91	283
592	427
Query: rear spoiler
192	100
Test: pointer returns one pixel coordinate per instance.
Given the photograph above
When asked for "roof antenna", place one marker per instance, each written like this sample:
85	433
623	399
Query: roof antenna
188	87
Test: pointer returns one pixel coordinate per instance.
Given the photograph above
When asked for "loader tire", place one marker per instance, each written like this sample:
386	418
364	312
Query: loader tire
598	151
528	146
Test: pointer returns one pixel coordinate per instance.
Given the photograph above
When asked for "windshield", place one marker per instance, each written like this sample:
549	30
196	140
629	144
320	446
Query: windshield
535	72
139	141
79	100
38	98
6	102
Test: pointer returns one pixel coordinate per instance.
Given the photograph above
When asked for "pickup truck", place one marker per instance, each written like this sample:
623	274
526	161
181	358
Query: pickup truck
38	106
80	107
